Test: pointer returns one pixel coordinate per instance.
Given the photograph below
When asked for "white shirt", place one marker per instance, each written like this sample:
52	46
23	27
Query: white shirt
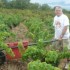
59	23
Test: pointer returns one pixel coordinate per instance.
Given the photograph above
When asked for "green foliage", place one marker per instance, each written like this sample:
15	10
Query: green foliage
10	20
51	57
6	48
37	65
4	34
69	66
40	44
3	28
34	6
21	48
37	29
45	7
34	53
22	4
64	55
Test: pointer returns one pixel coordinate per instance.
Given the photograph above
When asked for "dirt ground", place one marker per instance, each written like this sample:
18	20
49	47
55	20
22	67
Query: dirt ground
12	65
20	33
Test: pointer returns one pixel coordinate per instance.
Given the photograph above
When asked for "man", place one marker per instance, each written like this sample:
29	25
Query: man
61	26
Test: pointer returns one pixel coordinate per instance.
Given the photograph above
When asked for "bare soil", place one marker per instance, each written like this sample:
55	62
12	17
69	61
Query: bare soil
14	65
20	34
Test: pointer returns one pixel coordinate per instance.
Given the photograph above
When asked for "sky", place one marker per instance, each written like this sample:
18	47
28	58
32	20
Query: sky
63	3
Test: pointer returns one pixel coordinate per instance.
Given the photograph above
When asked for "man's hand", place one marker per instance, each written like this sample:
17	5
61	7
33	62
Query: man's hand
60	38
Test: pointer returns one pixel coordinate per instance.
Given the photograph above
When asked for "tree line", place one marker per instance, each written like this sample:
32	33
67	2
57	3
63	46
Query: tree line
22	4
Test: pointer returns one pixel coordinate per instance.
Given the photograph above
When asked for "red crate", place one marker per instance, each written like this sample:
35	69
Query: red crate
15	49
25	44
16	52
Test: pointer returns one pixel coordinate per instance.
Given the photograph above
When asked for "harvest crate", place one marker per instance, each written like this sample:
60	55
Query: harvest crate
14	47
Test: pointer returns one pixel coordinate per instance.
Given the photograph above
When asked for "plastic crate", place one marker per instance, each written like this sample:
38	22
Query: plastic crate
15	49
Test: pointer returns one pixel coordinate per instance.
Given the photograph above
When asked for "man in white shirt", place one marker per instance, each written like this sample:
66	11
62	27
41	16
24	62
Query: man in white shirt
61	26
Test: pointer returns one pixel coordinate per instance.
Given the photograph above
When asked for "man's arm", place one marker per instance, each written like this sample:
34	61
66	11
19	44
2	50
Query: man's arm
63	32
